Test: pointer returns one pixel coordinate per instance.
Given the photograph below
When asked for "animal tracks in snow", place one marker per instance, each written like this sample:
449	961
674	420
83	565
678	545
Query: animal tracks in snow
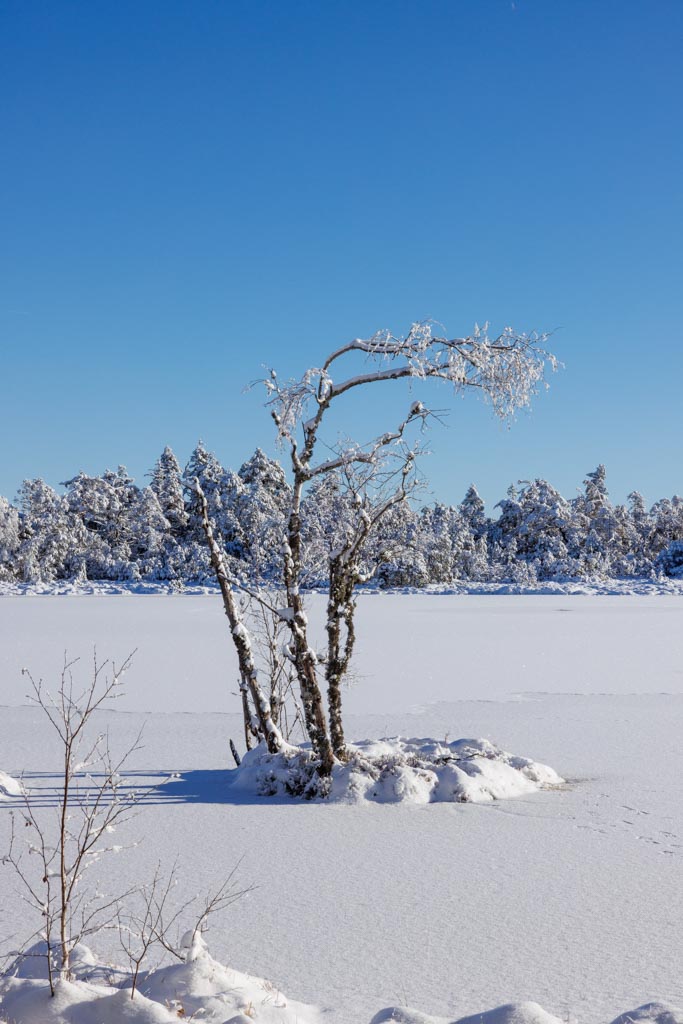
604	823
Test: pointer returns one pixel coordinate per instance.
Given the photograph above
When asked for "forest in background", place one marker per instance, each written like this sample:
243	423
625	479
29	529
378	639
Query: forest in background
109	528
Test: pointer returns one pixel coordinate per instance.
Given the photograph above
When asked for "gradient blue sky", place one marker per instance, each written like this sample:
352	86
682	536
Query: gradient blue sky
191	190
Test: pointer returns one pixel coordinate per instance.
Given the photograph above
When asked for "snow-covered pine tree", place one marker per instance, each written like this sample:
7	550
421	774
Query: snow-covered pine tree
106	506
471	557
473	511
167	484
9	539
544	530
261	506
205	467
152	546
437	527
52	541
396	549
594	526
503	535
664	526
222	490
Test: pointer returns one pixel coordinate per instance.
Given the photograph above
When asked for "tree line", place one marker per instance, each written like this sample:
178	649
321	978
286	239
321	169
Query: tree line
109	528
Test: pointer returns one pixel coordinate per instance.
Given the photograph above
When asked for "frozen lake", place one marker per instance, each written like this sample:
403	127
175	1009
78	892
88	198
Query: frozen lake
416	648
572	898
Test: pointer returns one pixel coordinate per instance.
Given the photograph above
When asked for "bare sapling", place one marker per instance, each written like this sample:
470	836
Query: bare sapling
157	924
140	930
52	860
210	905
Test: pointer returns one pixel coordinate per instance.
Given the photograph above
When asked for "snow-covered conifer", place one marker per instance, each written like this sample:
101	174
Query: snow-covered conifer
222	489
9	539
593	525
261	503
437	527
152	545
52	540
168	486
473	511
543	530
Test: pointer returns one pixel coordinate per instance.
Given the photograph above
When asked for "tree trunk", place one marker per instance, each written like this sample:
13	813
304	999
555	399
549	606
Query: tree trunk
303	656
262	723
340	607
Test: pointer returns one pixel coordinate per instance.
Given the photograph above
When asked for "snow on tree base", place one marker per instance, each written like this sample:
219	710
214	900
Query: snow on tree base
395	770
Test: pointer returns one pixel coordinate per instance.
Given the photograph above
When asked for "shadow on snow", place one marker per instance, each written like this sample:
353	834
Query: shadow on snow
154	788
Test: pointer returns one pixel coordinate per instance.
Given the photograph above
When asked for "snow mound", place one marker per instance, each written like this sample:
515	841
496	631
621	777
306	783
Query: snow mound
32	963
527	1013
203	987
395	770
511	1013
652	1013
9	786
200	988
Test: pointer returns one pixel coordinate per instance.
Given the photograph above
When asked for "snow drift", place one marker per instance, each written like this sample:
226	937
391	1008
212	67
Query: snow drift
529	1013
200	988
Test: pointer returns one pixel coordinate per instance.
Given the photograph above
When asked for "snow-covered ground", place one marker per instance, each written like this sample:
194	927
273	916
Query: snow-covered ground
570	898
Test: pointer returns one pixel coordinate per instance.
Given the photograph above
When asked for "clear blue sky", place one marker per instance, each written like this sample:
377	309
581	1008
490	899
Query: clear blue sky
191	190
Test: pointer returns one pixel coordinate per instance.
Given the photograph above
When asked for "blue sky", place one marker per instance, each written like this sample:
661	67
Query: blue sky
192	190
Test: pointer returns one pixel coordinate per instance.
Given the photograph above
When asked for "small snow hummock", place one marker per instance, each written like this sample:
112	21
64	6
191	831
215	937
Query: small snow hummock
9	786
199	989
395	770
528	1013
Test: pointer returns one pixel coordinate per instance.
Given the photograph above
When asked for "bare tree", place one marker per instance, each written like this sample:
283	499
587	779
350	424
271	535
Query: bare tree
155	923
506	370
140	931
92	800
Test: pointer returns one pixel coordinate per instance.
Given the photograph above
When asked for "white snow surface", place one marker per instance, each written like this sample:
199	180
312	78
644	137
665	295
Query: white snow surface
569	899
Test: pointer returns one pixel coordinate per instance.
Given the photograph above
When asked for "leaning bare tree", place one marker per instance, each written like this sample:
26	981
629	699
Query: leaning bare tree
507	370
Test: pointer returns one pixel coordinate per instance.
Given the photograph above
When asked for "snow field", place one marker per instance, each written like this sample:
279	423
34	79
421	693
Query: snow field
569	899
